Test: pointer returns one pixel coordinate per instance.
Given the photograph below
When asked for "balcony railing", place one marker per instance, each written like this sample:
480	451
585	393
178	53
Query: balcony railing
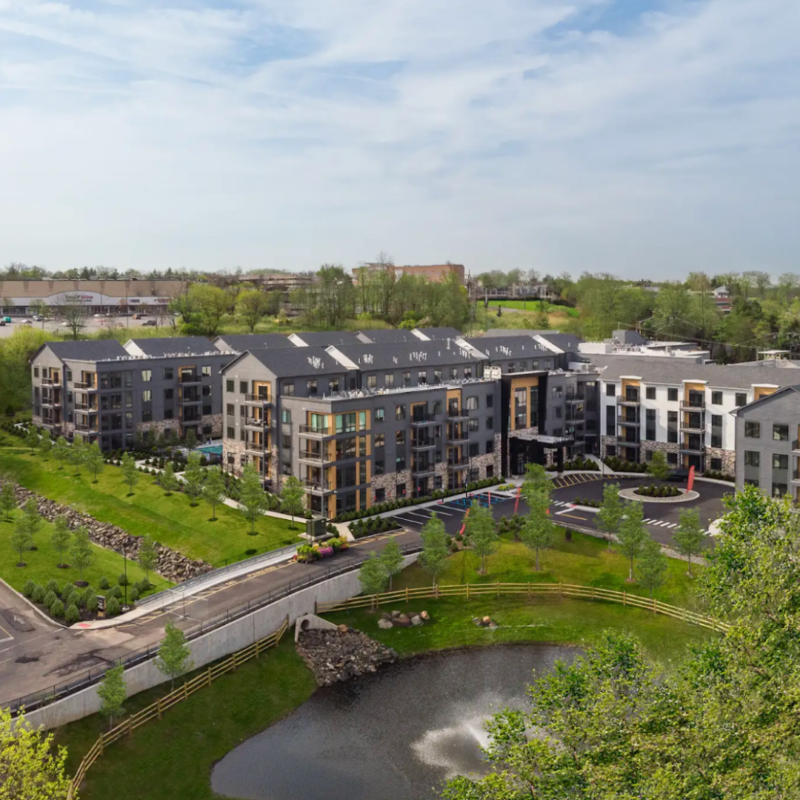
692	448
575	398
256	422
258	398
424	444
318	487
87	428
85	386
629	400
312	455
423	469
693	405
50	382
458	414
796	476
796	446
457	463
189	377
423	419
309	430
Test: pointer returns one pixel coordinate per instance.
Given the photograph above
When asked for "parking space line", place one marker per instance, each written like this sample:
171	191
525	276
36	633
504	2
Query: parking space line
422	514
407	521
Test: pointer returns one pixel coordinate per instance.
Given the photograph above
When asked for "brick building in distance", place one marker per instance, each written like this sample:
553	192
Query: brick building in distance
433	272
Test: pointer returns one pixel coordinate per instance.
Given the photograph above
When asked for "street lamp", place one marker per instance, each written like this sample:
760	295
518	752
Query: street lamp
125	561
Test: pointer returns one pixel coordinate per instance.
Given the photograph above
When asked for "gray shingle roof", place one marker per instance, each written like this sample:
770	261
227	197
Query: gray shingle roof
499	348
441	333
174	345
252	341
673	371
92	350
298	362
380	335
325	338
406	355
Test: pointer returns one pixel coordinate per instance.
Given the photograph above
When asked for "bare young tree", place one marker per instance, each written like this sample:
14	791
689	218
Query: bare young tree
73	311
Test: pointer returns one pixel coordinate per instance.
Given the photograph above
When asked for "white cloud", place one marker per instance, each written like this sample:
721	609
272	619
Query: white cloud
276	133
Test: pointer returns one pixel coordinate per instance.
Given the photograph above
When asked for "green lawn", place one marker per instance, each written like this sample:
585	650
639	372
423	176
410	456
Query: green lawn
584	561
535	305
172	521
41	563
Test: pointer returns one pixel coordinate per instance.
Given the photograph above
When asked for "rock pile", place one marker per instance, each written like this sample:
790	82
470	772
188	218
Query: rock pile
399	620
484	622
171	565
338	655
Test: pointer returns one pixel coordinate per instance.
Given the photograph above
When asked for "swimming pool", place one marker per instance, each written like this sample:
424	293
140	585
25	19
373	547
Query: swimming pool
215	449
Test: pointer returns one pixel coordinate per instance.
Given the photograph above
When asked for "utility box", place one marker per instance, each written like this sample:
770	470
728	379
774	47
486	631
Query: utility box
316	528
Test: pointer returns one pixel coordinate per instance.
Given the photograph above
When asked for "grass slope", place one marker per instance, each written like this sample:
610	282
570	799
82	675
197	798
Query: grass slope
535	305
169	520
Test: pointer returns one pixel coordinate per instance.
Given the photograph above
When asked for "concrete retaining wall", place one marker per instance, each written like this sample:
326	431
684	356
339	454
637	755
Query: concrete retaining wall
212	646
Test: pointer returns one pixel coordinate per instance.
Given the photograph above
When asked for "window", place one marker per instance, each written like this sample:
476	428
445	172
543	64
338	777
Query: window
650	425
752	430
489	446
147	395
672	395
400	437
401	490
650	392
751	482
169	394
362	420
422	377
780	461
473	425
242	387
380	439
406	379
380	468
231	432
715	464
346	423
206	371
168	413
611	422
557	412
372	381
206	411
388	380
228	385
611	390
437	376
472	403
379	415
288	389
672	459
286	416
780	433
778	489
333	385
467	373
741	399
672	426
311	387
489	401
380	494
399	412
716	398
36	372
474	450
489	423
147	375
453	373
147	415
167	373
752	458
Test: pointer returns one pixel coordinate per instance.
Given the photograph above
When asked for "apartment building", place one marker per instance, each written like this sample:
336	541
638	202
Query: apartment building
683	409
105	392
768	443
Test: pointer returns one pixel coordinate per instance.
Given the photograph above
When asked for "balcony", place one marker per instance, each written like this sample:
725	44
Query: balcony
51	382
309	430
457	463
460	414
257	399
87	428
693	405
423	444
423	419
692	448
423	470
458	437
312	455
49	400
192	399
629	422
796	446
575	398
318	487
691	427
85	386
629	400
256	422
188	378
254	449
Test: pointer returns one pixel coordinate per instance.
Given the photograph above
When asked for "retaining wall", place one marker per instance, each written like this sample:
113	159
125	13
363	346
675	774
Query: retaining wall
212	646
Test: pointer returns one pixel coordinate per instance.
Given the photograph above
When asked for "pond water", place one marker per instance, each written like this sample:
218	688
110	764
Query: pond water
396	735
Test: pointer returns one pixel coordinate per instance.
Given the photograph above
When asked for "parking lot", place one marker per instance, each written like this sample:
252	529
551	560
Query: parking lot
93	325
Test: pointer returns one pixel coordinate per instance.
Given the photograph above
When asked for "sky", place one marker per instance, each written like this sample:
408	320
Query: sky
638	137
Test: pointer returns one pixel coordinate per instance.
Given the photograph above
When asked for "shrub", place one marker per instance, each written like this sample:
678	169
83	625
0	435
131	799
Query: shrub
57	609
50	598
38	594
70	596
112	606
88	593
133	595
116	591
73	615
28	588
104	584
123	580
143	586
52	586
91	603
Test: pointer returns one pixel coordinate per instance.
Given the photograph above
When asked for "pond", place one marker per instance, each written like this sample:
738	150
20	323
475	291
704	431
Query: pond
396	735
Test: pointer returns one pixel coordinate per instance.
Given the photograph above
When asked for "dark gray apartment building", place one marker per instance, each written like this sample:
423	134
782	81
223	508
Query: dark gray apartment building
106	392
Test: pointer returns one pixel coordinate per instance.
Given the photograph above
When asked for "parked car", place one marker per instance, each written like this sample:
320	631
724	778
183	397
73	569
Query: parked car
26	322
36	318
149	323
137	316
6	319
679	475
2	323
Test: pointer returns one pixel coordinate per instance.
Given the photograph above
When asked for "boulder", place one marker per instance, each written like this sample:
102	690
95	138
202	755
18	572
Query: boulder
403	621
424	615
416	620
385	624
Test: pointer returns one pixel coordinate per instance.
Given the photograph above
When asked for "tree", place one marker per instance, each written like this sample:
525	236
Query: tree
61	537
214	489
481	532
31	517
190	440
632	534
45	445
537	530
168	480
609	516
392	560
174	655
32	439
76	453
193	478
147	556
293	497
252	305
81	552
112	691
435	547
372	575
61	451
129	474
252	497
536	485
21	539
658	467
202	309
652	565
31	766
93	459
689	535
8	499
74	312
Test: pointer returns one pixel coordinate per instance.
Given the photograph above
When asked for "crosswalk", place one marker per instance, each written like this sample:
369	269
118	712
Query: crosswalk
562	504
656	523
574	480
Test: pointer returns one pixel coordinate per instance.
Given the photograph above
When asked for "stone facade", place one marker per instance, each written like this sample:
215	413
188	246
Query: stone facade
389	480
664	447
235	448
159	426
728	458
215	421
605	443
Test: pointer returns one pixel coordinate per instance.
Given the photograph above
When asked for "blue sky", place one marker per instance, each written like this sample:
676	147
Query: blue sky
641	138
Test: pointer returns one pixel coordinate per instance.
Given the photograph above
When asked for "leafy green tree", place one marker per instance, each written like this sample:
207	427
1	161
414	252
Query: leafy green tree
252	497
61	537
112	691
193	478
658	467
214	489
372	575
147	556
31	765
632	533
76	454
392	560
673	309
32	439
688	536
168	480
537	530
81	552
31	518
61	451
203	307
481	531
536	487
609	516
190	440
652	566
93	460
130	476
21	539
293	497
45	445
252	305
174	655
8	499
435	547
